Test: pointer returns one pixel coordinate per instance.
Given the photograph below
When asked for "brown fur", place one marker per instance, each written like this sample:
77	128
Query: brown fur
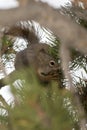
36	55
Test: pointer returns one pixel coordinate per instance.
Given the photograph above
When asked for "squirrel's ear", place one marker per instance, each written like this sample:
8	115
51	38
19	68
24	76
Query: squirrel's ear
41	47
42	50
44	47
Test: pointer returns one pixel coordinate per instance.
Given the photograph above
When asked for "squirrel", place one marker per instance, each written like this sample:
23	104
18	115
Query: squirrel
36	55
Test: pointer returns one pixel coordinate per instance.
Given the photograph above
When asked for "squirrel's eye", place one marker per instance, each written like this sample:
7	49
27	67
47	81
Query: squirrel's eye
52	63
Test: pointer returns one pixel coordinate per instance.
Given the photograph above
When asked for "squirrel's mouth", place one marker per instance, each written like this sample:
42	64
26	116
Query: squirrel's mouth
44	74
48	76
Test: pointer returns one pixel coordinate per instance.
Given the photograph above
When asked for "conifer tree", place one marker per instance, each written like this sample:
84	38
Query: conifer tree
36	107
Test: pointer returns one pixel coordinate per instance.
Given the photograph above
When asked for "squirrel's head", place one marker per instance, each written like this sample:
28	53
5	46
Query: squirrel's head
46	66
